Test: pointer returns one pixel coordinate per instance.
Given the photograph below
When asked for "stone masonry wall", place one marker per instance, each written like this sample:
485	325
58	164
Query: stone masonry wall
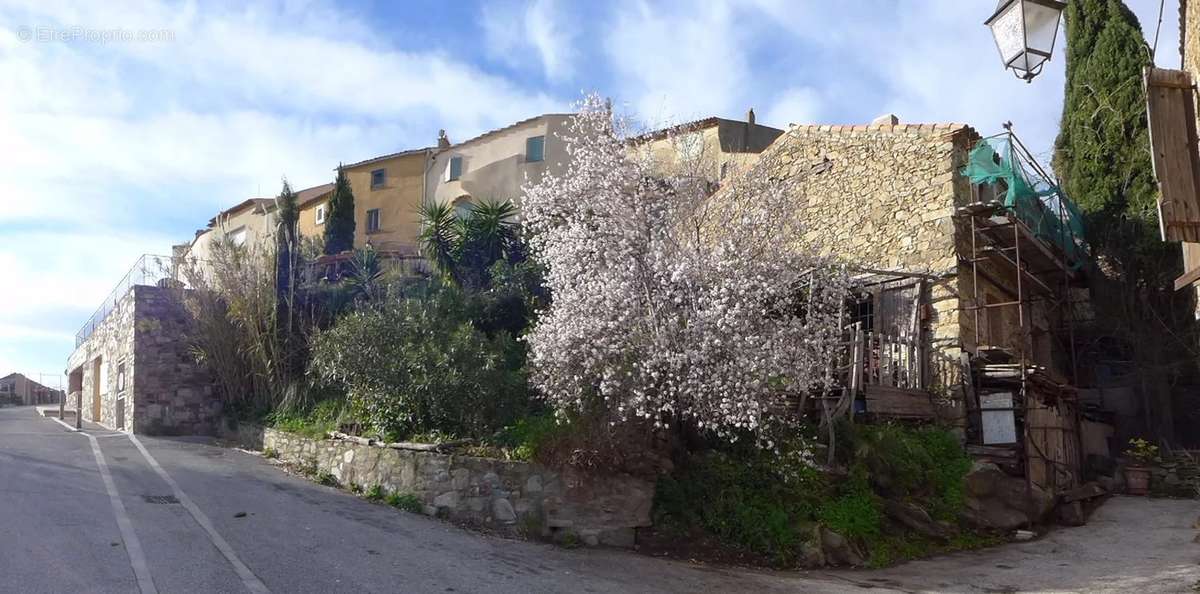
883	197
111	344
497	493
175	394
166	391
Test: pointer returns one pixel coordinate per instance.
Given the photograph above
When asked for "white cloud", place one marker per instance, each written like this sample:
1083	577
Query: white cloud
677	65
797	105
513	30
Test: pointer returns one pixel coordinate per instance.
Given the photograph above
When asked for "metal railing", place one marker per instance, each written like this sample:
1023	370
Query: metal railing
149	270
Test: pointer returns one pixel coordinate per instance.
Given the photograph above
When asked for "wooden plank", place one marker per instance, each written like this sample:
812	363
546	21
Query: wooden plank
1175	157
898	402
1186	279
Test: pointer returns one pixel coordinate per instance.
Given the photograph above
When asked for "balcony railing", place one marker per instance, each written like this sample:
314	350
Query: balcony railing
149	270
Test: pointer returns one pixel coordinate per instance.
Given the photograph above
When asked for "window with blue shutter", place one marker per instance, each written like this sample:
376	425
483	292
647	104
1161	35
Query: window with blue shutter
535	149
455	168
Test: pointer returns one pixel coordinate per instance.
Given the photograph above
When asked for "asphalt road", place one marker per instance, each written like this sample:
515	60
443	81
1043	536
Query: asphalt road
220	520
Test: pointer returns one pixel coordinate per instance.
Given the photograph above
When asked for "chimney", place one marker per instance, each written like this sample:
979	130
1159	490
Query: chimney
887	119
443	142
750	117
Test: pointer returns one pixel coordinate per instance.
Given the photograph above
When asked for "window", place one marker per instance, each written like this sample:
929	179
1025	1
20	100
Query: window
238	236
120	377
535	149
462	207
454	170
378	177
373	220
321	214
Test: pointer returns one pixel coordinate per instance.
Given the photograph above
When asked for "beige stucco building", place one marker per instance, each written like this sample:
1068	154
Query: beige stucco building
712	147
495	165
250	223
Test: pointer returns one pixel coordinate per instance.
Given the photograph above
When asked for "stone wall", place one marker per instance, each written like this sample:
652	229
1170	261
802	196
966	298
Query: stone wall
883	197
508	495
174	394
108	347
165	390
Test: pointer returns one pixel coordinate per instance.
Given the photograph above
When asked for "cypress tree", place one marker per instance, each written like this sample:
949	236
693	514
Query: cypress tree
1103	150
1102	156
339	223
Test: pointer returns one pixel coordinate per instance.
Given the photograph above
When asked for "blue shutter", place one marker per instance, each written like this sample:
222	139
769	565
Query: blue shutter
535	149
455	168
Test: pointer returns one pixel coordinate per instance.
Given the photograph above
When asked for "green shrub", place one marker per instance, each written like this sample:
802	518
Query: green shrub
270	453
758	501
406	502
419	365
315	423
525	438
327	479
855	512
927	464
375	493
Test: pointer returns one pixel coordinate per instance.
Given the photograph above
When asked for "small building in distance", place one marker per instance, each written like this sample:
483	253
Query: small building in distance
15	388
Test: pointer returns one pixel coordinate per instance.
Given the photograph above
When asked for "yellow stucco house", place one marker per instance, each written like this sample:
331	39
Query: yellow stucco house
313	205
387	199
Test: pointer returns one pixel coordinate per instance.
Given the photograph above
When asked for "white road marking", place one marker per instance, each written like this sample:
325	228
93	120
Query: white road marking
132	545
248	578
63	423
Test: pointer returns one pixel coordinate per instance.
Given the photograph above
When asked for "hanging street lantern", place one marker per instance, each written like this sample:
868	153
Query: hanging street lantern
1025	31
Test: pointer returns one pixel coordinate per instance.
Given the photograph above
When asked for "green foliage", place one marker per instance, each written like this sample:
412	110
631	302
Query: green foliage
339	223
405	502
756	501
417	365
770	502
525	438
315	423
1142	451
927	463
855	512
375	493
1102	152
327	479
464	249
270	453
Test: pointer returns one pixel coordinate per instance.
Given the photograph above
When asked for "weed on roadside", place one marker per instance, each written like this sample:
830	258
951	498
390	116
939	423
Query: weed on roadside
405	502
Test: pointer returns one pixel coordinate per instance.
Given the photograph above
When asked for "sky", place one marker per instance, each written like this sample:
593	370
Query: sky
125	126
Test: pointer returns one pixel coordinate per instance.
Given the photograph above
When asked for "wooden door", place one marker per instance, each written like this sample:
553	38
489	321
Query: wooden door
97	381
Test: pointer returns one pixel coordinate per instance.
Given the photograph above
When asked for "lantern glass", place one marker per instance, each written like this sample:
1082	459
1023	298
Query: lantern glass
1008	29
1041	26
1025	31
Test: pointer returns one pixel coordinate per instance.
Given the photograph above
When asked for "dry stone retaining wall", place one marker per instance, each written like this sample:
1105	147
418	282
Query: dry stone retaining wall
510	495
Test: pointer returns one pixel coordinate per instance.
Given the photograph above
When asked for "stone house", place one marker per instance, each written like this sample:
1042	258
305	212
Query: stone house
20	389
961	311
132	370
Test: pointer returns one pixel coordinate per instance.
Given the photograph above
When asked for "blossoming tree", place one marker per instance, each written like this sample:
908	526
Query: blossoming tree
673	299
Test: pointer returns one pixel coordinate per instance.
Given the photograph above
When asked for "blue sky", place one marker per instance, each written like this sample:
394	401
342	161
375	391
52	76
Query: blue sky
116	148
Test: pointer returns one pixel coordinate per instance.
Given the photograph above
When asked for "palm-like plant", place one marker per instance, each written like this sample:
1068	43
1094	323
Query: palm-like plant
464	248
439	236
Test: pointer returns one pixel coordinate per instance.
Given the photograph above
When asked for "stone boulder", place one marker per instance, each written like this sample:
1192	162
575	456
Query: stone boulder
998	501
838	550
916	519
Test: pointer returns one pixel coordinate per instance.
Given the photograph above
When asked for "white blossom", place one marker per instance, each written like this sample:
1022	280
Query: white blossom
671	300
